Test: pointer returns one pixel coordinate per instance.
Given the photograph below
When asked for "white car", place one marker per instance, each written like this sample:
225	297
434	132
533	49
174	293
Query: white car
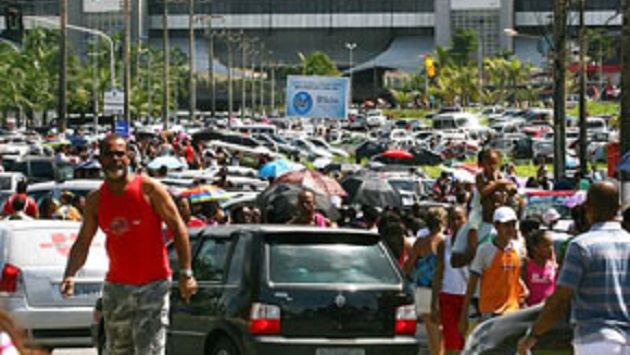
33	256
321	143
310	150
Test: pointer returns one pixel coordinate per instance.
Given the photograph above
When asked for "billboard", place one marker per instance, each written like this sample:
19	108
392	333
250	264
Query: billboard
317	97
101	5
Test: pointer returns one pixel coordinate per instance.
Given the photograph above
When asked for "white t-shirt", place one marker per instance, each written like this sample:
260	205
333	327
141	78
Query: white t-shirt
454	280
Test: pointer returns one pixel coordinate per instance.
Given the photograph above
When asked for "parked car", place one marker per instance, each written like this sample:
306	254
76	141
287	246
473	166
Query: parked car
53	189
298	290
38	168
9	181
33	256
321	143
500	335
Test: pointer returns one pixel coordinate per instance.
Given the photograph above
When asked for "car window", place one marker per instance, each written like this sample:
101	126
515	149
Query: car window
42	169
314	263
5	183
20	167
210	263
172	253
236	265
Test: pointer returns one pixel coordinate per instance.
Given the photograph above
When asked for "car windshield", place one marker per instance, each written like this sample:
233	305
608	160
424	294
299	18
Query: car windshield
330	263
403	185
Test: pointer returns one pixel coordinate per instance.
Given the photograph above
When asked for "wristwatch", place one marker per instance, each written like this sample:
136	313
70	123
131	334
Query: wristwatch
187	273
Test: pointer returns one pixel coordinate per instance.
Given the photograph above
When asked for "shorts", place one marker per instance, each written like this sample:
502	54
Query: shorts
136	317
451	307
423	297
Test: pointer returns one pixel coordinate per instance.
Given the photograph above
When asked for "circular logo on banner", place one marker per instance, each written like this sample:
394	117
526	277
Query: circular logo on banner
302	102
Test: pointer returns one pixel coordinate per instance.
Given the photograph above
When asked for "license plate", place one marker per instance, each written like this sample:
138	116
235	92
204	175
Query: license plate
87	290
340	351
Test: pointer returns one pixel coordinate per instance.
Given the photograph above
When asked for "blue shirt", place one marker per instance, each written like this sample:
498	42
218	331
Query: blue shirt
597	268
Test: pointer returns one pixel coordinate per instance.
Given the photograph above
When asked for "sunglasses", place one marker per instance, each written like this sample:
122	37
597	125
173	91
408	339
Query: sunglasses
114	154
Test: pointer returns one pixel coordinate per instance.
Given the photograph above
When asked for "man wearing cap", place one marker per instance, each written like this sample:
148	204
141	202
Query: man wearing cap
497	265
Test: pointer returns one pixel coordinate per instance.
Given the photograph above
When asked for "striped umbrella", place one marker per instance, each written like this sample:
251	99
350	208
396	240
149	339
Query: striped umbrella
207	193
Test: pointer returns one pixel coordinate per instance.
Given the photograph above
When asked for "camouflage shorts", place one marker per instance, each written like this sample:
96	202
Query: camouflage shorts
136	317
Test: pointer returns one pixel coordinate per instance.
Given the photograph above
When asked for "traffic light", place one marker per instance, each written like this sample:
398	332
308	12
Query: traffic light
430	67
13	23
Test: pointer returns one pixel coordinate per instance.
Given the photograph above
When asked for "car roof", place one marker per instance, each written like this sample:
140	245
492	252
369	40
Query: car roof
226	230
21	225
76	184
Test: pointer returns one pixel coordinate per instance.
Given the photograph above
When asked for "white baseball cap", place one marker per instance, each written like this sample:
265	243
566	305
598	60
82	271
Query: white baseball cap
551	216
504	214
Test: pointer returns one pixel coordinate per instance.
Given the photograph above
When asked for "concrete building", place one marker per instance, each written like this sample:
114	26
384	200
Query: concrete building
389	34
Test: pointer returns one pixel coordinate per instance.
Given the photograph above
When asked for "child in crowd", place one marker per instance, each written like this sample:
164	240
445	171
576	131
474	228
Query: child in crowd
449	286
497	266
540	268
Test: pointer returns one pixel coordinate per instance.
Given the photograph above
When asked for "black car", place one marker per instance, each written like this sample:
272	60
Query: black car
291	290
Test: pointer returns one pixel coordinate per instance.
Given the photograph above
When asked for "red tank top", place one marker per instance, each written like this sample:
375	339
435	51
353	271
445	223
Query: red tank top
134	244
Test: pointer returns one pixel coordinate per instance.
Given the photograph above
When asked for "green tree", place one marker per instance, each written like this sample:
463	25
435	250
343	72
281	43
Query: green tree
465	46
317	63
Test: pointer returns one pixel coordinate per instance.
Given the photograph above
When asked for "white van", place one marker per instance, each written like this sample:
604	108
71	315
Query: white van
33	256
596	125
254	130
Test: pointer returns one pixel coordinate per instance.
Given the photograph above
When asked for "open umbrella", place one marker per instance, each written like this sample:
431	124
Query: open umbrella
397	154
278	167
314	181
207	193
368	189
279	203
169	161
56	143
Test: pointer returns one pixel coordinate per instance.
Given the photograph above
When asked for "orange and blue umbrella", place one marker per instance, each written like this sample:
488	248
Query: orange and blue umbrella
207	193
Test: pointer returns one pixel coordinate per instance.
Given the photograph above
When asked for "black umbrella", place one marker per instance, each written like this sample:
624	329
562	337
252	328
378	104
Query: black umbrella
279	203
371	190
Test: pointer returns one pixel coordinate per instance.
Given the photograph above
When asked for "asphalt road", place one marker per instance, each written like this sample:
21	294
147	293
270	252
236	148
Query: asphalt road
421	335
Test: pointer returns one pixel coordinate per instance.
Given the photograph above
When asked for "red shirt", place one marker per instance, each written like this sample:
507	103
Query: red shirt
190	154
30	208
134	243
194	222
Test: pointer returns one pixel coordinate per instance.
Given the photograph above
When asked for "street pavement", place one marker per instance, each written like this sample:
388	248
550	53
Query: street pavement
421	335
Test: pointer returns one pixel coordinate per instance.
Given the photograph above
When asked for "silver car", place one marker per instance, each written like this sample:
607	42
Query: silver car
33	257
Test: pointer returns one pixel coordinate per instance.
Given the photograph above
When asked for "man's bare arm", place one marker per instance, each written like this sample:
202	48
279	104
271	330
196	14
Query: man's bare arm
165	208
81	247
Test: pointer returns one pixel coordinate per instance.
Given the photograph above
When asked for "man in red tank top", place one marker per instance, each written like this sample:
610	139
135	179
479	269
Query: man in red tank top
130	210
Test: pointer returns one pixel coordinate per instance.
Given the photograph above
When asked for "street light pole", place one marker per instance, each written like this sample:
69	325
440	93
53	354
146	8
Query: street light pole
165	66
63	80
230	88
582	96
272	99
559	93
127	62
262	79
243	76
351	47
191	61
253	81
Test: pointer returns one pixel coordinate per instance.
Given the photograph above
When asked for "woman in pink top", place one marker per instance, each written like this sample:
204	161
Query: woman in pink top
541	268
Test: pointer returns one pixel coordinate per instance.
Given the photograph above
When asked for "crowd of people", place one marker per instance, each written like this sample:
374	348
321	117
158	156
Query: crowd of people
477	259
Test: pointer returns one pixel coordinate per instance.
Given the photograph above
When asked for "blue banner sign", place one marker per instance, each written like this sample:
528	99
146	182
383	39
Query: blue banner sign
317	97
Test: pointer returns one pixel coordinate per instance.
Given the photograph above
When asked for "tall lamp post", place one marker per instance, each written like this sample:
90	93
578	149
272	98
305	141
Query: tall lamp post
192	104
350	46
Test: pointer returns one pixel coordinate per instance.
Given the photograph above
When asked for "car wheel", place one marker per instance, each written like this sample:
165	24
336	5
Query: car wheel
224	347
